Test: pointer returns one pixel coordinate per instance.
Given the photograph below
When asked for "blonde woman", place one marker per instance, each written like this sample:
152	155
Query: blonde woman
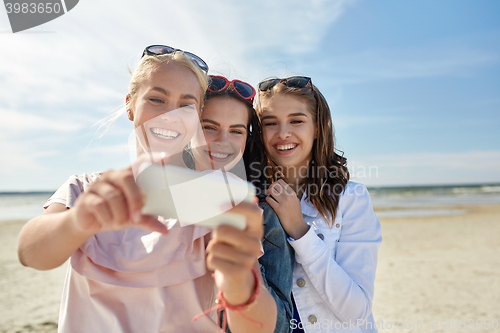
127	272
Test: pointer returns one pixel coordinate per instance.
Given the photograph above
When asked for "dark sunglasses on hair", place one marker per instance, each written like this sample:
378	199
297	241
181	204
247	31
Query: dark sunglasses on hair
163	49
219	83
292	82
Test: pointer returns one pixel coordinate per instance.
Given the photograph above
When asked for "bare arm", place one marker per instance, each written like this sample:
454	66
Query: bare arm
48	240
263	310
232	253
113	202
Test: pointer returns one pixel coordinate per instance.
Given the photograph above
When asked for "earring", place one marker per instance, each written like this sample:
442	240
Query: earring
130	115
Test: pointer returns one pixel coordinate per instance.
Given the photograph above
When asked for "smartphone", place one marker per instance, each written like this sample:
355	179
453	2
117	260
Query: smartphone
192	197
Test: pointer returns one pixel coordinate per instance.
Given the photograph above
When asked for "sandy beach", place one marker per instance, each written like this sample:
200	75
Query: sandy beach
432	271
439	269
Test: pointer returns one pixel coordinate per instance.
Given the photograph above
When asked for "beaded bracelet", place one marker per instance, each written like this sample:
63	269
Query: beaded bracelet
223	304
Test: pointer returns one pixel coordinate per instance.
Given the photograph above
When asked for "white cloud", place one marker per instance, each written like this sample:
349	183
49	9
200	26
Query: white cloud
110	151
60	83
60	77
85	60
19	122
19	157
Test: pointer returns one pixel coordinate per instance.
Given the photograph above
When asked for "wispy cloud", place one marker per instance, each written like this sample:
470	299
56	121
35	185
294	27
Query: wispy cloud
107	151
87	63
20	122
19	157
57	85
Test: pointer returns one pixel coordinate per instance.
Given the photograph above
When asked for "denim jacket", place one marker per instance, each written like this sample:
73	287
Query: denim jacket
276	266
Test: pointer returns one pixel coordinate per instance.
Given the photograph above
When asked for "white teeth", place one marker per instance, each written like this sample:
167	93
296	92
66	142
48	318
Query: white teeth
217	155
164	134
286	147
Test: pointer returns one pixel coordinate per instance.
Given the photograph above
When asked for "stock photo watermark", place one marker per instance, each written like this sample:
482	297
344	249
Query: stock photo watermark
435	324
26	14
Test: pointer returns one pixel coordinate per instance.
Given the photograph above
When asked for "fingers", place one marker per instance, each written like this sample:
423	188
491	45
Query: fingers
125	182
279	188
272	202
91	212
151	223
253	215
228	259
99	207
239	240
113	201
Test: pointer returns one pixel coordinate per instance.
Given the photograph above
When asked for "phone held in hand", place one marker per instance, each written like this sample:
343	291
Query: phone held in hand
193	197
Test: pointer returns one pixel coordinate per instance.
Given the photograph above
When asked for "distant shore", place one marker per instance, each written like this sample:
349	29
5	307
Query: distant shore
431	268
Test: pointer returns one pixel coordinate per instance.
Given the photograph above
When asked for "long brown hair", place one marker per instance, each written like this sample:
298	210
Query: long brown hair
327	170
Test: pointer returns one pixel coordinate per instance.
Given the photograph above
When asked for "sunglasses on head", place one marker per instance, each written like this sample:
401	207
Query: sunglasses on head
292	82
163	49
219	83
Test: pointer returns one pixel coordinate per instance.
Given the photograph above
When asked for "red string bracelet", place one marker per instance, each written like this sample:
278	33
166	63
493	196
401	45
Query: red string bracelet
223	304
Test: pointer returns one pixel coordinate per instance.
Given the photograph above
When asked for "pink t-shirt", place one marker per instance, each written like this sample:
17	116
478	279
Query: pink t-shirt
134	280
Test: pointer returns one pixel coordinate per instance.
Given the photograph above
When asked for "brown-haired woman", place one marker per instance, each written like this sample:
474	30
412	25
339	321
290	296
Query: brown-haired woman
329	219
232	130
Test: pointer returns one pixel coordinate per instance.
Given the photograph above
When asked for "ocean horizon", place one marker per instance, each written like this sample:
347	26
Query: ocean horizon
388	201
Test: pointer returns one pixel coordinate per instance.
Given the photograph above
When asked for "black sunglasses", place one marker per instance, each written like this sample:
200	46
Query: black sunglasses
292	82
163	49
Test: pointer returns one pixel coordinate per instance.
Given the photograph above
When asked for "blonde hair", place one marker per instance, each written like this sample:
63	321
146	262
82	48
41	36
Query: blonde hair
147	65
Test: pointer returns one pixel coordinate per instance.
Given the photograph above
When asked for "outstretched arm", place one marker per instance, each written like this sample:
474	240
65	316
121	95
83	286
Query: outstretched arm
112	202
232	253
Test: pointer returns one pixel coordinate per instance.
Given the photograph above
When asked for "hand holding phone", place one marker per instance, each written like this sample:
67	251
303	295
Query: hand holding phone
192	197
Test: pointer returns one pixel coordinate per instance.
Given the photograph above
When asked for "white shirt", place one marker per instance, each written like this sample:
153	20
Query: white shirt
334	273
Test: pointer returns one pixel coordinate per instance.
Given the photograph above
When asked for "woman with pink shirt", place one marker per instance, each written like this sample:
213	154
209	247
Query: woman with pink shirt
127	271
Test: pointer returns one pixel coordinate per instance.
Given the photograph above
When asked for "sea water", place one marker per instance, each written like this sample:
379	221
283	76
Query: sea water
391	201
22	205
425	200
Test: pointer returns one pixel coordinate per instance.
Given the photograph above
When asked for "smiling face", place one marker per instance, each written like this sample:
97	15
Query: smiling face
288	130
225	125
165	109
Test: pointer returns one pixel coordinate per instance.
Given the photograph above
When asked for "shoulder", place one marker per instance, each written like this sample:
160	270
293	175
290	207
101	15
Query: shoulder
355	192
356	211
80	183
72	188
83	179
353	188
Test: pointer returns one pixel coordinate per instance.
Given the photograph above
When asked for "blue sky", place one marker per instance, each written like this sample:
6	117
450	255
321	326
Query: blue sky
414	86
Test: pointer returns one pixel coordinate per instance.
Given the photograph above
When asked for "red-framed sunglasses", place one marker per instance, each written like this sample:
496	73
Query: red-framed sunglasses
219	83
